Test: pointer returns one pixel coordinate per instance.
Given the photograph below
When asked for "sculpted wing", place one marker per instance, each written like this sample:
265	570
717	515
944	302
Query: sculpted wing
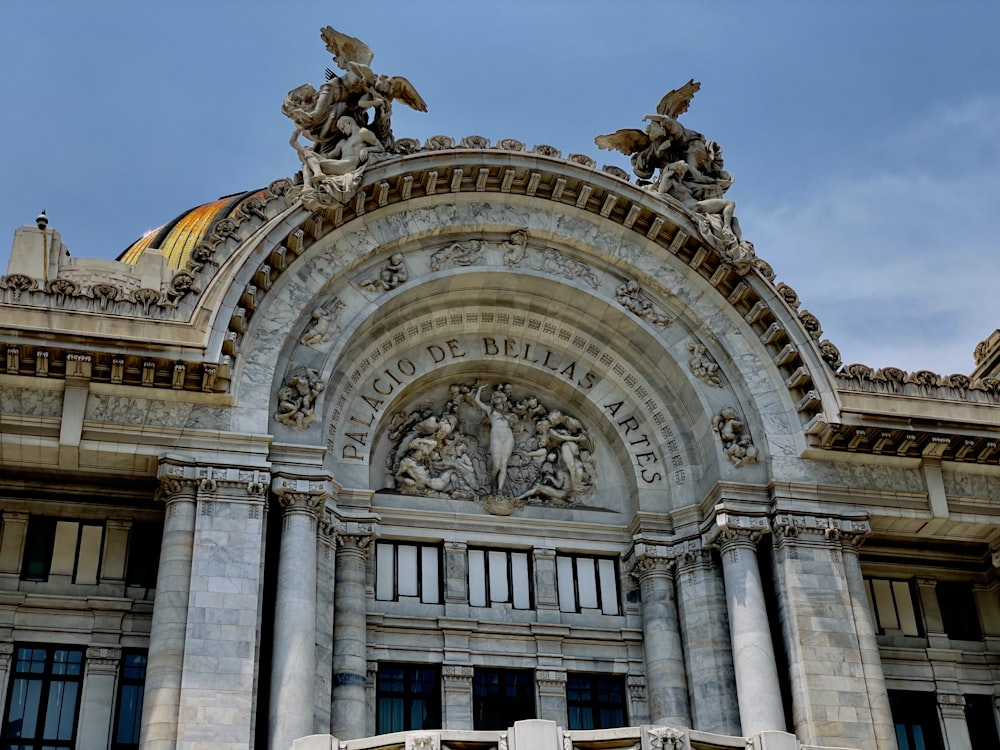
402	90
675	103
346	49
626	140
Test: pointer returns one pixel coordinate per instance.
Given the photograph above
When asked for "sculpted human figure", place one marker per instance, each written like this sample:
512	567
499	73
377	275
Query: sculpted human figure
501	434
672	184
555	482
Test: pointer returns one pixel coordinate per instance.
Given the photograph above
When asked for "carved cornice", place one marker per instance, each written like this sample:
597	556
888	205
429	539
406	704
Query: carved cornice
803	529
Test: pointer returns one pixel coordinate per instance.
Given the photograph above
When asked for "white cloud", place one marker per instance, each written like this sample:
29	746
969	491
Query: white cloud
901	267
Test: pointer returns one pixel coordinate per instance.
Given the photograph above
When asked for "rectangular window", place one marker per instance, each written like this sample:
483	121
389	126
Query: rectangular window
407	570
981	718
596	701
66	548
44	698
915	717
502	696
958	610
499	577
587	583
407	697
144	541
131	687
892	603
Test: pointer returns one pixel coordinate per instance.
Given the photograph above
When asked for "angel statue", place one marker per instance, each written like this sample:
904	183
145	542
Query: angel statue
691	172
336	120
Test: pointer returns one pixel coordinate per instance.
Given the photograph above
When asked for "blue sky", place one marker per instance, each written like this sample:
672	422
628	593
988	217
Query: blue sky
863	135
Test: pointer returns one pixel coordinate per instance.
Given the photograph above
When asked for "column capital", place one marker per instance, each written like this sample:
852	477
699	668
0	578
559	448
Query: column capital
456	673
803	528
103	660
647	559
237	482
302	495
355	537
733	530
995	556
15	515
552	681
6	650
951	705
636	684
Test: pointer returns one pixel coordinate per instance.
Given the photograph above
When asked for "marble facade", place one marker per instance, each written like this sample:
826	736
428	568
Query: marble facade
314	381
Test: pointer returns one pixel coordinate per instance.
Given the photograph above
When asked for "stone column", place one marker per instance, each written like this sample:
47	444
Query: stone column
350	631
161	701
457	707
325	574
951	709
701	603
666	692
871	661
98	699
552	695
757	687
293	667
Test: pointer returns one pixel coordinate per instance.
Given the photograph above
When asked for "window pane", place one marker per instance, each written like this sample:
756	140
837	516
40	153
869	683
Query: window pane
586	583
431	577
609	586
407	569
521	580
24	707
884	605
567	593
384	572
499	586
64	550
89	560
477	578
61	710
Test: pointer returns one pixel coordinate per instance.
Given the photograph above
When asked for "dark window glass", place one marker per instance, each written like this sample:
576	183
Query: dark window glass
916	718
502	696
44	698
131	687
143	555
595	701
958	610
407	697
38	548
981	718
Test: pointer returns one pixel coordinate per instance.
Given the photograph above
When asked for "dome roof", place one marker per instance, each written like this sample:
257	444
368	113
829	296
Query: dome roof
176	239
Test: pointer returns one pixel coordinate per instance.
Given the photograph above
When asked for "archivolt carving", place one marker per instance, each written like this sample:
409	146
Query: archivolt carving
297	398
323	326
484	442
631	298
702	365
390	276
736	442
461	254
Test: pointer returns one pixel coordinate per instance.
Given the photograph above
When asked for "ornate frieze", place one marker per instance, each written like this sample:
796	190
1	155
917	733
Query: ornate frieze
495	444
668	738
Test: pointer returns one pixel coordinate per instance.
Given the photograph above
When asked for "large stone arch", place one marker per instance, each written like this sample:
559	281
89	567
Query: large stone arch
575	261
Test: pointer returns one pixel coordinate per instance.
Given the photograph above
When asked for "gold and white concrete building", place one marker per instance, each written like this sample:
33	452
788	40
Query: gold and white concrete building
475	445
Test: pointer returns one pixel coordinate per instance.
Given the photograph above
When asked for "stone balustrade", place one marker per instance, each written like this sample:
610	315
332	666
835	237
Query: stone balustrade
538	734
